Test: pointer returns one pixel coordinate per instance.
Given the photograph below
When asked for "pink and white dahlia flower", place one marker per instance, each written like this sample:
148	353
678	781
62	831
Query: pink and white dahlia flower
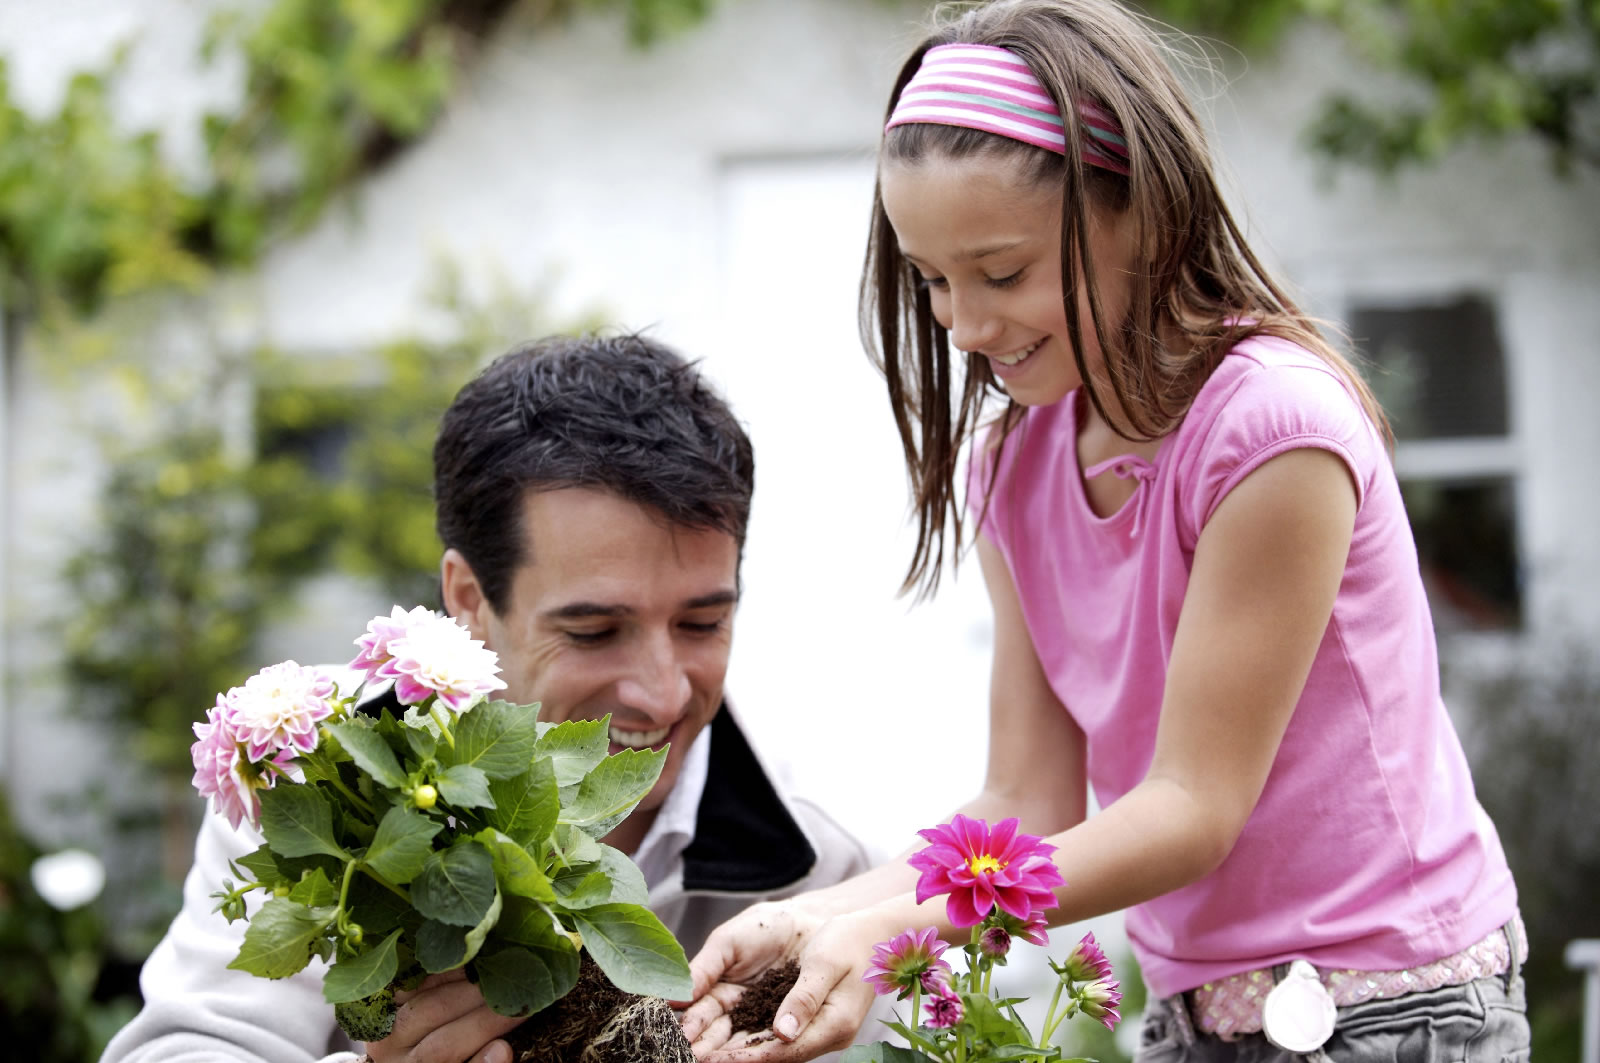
436	655
944	1009
981	869
905	961
375	657
1099	1000
226	776
278	709
1086	962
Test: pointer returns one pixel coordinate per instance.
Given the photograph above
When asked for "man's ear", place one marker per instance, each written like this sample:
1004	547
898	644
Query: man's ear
463	594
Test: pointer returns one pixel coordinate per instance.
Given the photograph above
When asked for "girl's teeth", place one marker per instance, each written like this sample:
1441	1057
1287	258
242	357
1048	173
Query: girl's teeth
638	739
1014	359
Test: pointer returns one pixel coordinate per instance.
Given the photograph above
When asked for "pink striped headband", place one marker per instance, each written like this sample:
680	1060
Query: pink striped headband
980	86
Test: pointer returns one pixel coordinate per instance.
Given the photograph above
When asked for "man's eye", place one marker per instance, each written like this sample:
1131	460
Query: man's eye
591	638
702	628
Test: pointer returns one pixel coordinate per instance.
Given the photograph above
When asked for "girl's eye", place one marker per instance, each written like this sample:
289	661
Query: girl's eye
1004	282
929	282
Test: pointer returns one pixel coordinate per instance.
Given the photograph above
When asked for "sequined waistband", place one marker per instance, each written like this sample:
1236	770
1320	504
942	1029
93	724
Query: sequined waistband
1230	1007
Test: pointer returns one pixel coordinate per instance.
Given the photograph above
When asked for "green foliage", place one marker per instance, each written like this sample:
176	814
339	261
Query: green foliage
1534	746
452	890
62	992
332	89
1475	70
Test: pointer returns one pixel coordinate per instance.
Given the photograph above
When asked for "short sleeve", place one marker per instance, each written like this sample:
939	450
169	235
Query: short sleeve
1252	411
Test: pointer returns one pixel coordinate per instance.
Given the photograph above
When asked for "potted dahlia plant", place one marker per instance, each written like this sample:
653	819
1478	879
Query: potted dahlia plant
999	884
462	834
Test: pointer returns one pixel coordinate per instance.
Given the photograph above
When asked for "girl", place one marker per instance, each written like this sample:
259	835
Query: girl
1207	600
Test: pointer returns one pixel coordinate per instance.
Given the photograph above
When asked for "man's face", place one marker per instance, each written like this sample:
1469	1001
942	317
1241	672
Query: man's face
613	611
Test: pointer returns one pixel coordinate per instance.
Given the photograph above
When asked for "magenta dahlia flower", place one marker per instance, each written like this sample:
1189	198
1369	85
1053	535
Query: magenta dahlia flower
1099	1000
1086	962
226	776
436	655
981	869
944	1009
995	942
278	709
905	961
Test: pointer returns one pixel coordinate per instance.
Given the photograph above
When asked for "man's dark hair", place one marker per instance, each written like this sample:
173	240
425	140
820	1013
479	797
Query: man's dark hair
620	413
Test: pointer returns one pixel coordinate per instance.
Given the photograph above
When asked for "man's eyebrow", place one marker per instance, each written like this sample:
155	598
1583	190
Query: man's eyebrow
580	610
584	610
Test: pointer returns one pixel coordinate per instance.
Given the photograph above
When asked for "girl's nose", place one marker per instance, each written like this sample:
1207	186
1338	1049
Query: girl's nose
973	324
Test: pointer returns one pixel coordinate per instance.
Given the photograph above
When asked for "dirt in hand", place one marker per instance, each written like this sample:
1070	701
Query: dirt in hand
758	1007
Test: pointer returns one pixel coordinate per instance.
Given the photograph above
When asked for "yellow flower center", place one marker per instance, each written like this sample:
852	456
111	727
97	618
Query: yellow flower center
979	864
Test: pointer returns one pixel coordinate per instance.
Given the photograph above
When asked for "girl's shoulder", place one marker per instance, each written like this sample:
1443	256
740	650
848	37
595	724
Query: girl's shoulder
1268	396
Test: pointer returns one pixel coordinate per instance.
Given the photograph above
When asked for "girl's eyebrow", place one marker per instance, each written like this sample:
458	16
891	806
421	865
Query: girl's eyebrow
973	254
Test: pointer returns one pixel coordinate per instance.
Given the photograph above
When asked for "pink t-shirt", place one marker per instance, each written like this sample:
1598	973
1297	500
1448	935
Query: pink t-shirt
1368	848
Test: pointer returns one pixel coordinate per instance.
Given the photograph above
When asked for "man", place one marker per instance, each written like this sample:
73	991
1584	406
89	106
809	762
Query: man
592	496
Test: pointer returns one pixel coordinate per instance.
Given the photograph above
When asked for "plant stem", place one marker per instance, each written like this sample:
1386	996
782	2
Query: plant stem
1050	1019
442	718
386	884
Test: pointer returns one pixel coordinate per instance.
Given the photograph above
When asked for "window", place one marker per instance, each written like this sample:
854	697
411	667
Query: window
1439	370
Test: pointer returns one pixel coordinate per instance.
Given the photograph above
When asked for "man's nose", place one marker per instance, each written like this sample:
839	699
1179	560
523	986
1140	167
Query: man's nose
658	684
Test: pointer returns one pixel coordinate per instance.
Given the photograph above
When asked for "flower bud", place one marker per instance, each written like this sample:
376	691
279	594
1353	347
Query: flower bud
425	797
995	942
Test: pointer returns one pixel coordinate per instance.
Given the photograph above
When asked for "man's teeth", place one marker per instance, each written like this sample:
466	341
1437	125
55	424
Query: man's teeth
1013	359
638	739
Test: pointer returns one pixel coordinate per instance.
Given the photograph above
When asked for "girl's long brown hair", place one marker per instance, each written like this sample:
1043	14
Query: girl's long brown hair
1200	279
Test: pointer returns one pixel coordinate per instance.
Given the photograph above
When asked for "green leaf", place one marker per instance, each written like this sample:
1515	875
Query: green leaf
281	937
263	866
627	881
402	844
442	947
611	790
881	1052
465	786
579	888
519	981
515	870
356	977
575	747
378	909
314	890
422	742
298	821
635	951
526	805
496	737
370	752
570	845
456	885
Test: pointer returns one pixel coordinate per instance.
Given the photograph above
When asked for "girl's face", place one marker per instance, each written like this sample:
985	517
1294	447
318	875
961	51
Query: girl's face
985	239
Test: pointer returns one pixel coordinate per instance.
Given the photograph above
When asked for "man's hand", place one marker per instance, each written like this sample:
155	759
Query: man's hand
444	1021
823	1011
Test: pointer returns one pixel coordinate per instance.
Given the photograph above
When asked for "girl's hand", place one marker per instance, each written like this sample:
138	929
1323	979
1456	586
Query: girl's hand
444	1021
823	1011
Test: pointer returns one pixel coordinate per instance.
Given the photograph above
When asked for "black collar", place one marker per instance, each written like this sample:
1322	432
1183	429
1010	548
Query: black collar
745	838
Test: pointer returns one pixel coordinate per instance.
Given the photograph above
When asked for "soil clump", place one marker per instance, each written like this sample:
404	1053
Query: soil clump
758	1007
598	1023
